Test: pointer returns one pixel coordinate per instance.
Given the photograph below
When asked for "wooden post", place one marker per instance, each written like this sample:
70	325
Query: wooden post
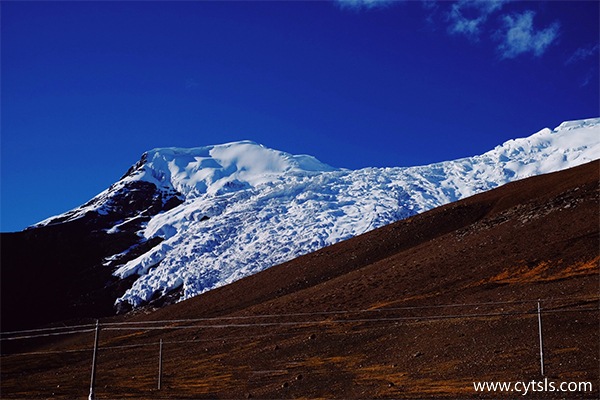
541	341
93	379
160	363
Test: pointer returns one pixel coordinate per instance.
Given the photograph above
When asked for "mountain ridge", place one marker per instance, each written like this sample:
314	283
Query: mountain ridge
334	204
176	240
140	168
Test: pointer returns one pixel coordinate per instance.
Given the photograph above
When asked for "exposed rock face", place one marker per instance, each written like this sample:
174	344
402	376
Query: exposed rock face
62	270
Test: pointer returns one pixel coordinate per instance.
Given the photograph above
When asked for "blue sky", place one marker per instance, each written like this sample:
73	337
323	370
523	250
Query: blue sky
87	87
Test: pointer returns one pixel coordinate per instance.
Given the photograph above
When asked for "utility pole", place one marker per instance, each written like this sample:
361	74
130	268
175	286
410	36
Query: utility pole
160	363
539	312
93	379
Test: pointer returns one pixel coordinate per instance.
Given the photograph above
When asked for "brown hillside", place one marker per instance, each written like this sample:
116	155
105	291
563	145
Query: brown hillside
418	309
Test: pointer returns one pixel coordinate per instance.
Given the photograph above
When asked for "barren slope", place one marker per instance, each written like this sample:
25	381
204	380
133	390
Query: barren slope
417	309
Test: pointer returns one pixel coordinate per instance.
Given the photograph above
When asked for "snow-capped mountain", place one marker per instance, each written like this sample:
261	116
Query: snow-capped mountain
211	215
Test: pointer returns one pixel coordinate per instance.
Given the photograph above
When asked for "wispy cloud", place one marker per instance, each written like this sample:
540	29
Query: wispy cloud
364	4
583	53
432	8
467	17
191	83
586	80
518	36
513	33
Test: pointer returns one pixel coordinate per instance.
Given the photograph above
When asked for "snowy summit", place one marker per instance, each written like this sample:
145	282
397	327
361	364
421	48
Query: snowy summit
220	213
222	168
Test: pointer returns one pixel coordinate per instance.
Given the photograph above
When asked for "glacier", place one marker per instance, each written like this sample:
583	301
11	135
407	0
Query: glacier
242	207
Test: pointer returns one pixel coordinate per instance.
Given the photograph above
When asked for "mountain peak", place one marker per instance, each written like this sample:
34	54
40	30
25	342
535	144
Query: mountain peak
218	169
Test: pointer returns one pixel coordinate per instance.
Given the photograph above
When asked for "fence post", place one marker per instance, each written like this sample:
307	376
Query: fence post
160	363
539	312
93	379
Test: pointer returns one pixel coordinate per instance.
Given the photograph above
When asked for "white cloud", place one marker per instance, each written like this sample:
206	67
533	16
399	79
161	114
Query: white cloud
583	53
368	4
478	20
519	36
466	17
586	80
465	26
191	83
432	7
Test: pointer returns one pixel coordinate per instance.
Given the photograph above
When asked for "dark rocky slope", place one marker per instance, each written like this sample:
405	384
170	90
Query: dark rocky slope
55	272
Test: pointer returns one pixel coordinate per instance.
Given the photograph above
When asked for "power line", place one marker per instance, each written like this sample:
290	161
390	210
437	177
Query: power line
334	312
153	344
108	326
305	323
342	321
58	328
484	304
46	335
